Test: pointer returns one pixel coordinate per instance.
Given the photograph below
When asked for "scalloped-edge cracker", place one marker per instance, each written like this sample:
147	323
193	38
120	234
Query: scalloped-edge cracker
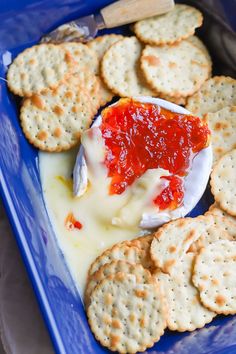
120	69
177	70
223	127
216	228
90	83
144	243
100	45
177	100
55	119
142	275
169	28
121	251
215	94
214	276
199	44
186	313
223	182
212	234
216	210
172	241
83	56
38	68
105	93
127	316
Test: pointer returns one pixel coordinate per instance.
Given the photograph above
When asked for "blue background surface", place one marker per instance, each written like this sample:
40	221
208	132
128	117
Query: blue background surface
22	23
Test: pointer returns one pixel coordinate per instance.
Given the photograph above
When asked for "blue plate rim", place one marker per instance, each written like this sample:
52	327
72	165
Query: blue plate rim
30	267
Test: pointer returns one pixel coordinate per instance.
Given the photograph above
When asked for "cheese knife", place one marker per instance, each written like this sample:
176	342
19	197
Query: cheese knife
119	13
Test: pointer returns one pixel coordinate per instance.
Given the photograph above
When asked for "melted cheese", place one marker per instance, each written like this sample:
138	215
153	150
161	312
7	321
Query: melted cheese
107	219
95	210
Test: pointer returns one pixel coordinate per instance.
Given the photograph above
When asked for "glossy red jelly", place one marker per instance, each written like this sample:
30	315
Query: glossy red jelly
171	196
141	136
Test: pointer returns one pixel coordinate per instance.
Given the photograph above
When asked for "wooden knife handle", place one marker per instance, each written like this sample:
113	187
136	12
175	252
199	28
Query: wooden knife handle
123	12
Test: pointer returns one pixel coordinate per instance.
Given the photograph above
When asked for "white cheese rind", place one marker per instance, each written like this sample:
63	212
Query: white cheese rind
195	182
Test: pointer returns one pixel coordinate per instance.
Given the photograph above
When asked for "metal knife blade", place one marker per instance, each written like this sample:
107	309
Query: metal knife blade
81	30
116	14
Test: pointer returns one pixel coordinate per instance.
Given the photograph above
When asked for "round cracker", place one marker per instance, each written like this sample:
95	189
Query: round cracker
90	83
186	313
223	224
143	243
121	251
177	70
106	95
200	45
223	182
102	43
169	28
83	56
126	316
55	119
216	228
223	127
142	275
214	276
38	68
120	69
172	241
216	210
211	235
215	94
177	100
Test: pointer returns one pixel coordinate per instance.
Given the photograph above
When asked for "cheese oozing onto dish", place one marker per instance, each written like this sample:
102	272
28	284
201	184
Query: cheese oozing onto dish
94	220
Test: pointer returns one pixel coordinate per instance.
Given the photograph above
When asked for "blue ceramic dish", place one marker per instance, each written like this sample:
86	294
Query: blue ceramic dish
21	25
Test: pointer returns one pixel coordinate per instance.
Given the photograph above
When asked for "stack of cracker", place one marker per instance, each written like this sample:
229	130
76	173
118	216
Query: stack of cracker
164	60
215	102
62	90
179	278
61	95
65	85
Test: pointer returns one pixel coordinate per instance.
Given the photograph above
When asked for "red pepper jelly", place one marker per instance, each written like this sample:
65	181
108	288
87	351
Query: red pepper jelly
141	136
